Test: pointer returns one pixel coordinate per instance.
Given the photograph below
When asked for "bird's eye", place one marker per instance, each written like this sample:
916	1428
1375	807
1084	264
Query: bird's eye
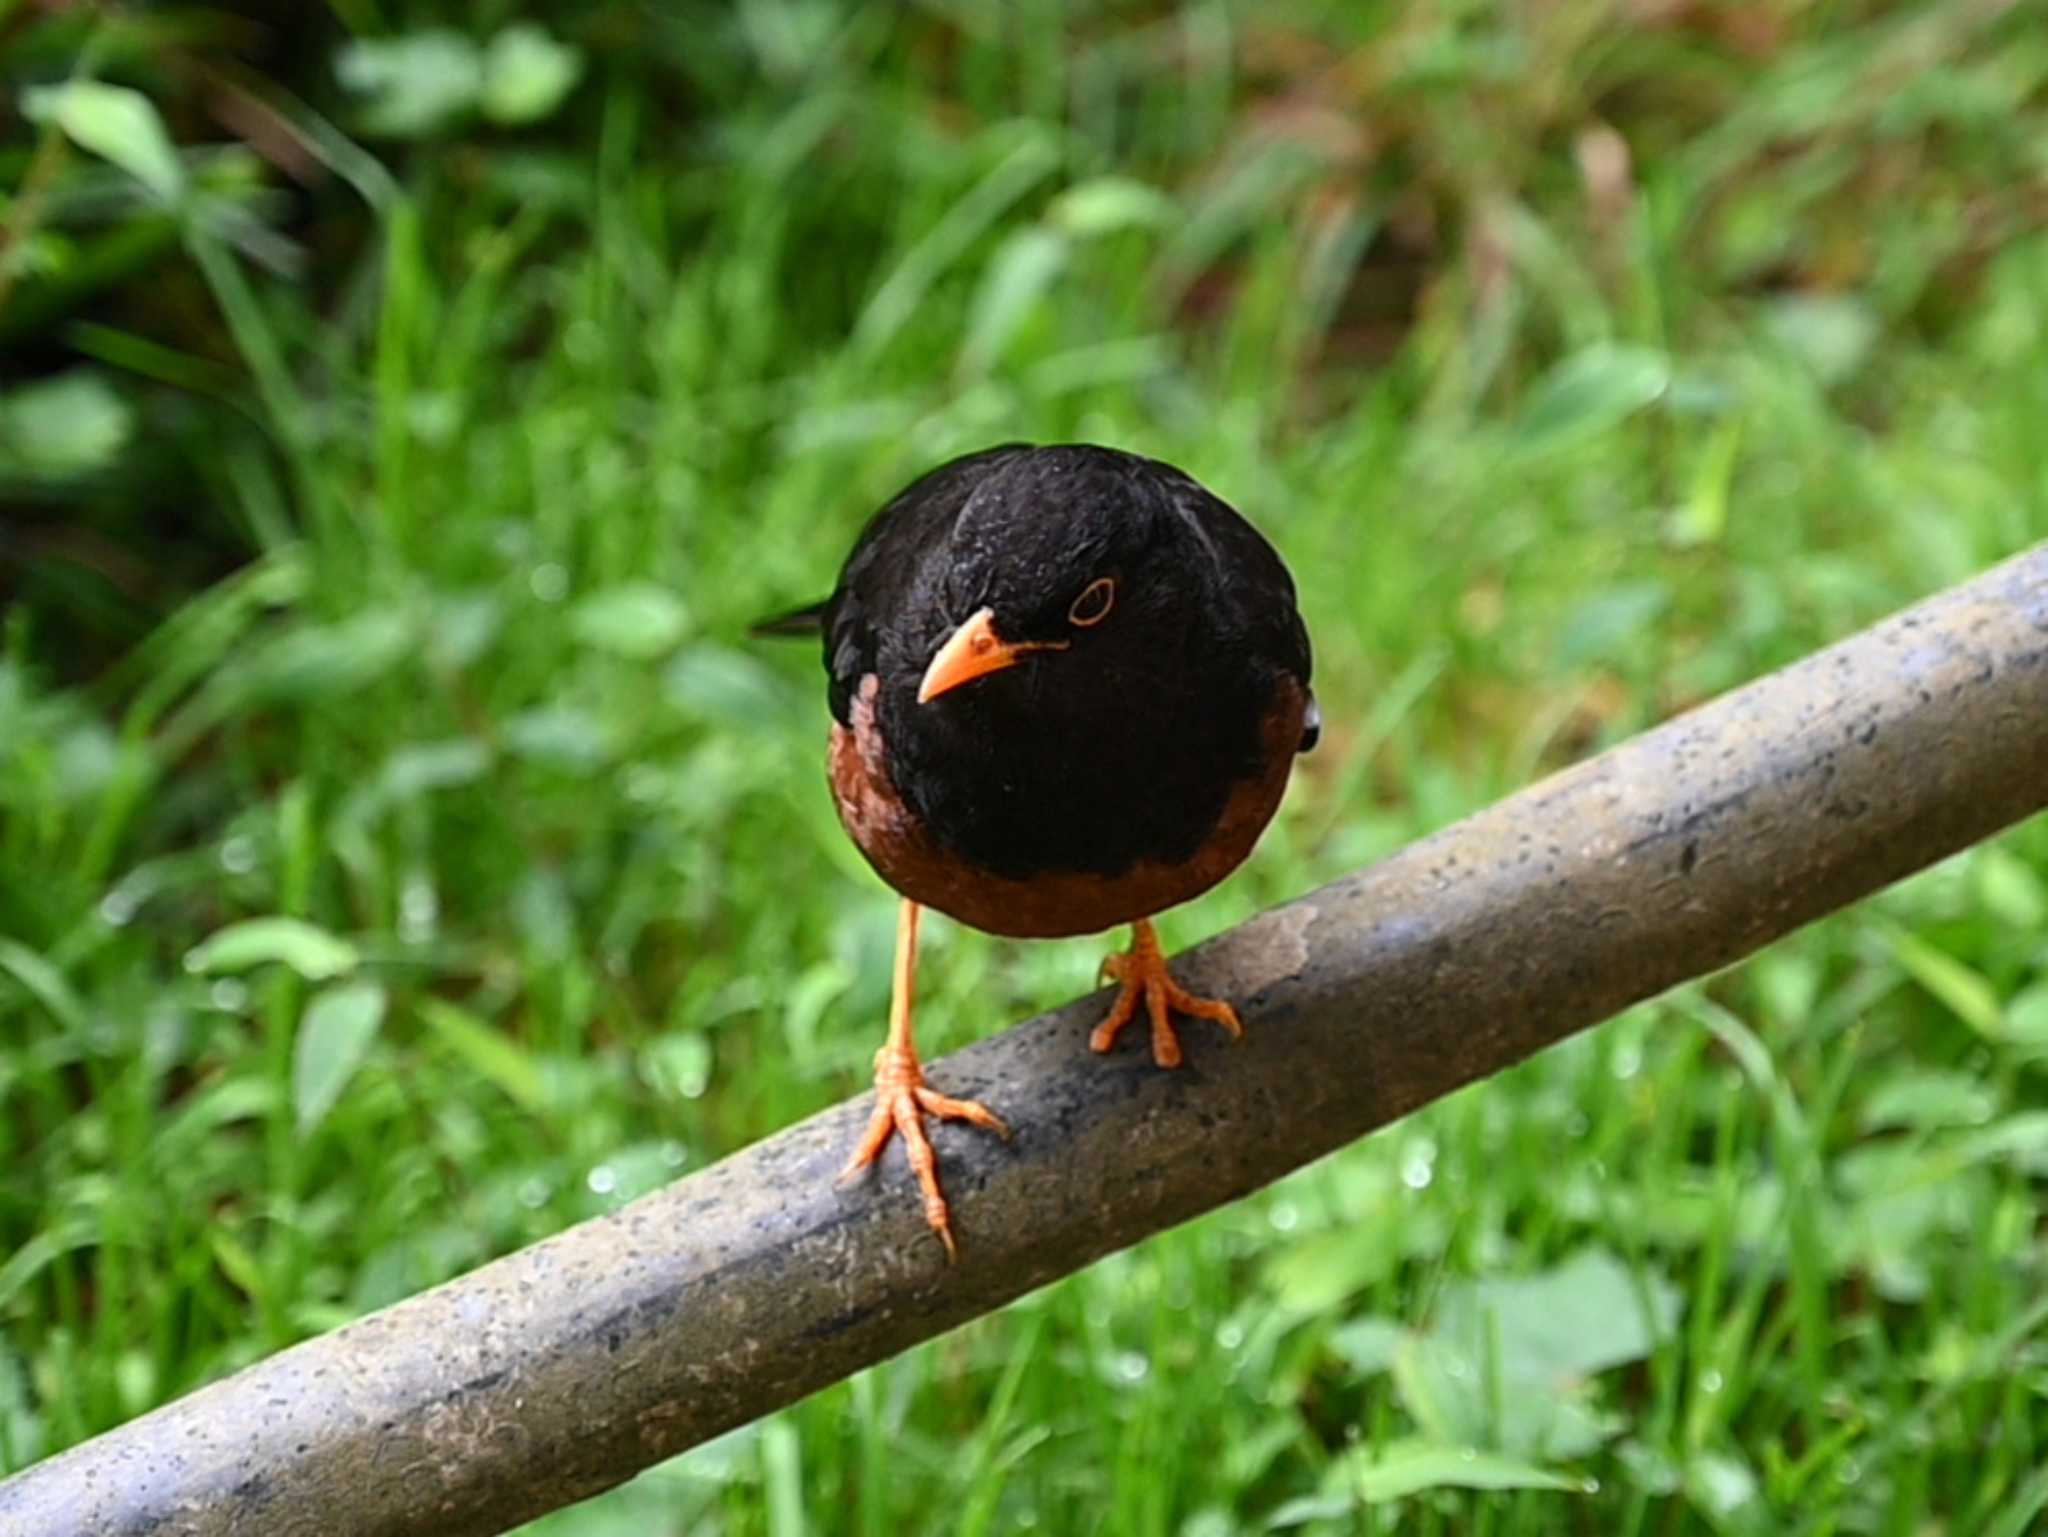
1095	602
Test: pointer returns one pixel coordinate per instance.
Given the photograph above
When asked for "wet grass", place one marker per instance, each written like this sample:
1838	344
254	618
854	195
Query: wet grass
1556	443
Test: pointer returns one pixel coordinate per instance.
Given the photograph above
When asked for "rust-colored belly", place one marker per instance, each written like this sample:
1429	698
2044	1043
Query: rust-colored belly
1047	906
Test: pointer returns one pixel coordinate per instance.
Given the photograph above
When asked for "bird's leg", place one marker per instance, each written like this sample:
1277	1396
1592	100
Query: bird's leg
1142	971
902	1099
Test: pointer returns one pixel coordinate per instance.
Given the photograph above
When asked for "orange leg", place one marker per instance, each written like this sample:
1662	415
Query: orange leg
1142	971
901	1098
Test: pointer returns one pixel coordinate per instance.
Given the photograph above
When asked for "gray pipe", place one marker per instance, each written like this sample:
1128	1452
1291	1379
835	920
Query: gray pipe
565	1368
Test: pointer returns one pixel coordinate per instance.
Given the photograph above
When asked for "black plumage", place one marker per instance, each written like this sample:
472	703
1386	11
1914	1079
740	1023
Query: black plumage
1126	743
1067	684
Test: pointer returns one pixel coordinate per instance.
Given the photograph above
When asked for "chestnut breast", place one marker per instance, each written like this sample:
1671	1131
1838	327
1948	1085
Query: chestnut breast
1049	904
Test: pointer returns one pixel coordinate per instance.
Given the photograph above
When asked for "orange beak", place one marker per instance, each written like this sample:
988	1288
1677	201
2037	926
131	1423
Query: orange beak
973	651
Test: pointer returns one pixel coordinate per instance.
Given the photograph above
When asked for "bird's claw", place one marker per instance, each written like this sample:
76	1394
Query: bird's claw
902	1100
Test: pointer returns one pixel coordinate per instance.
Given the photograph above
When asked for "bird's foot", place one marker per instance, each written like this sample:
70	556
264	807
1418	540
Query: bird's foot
1142	971
902	1101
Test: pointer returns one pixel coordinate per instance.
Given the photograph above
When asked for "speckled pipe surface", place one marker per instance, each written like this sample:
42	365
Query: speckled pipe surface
567	1367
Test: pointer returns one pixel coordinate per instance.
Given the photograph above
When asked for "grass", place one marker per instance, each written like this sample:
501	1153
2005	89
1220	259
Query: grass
1554	448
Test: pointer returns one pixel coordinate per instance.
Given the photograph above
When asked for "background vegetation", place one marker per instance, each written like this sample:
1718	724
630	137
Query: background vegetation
403	854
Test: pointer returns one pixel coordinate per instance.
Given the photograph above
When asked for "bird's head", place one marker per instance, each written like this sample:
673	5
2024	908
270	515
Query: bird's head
1074	560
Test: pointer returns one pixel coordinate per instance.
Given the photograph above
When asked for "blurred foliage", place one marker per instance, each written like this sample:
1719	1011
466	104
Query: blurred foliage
402	855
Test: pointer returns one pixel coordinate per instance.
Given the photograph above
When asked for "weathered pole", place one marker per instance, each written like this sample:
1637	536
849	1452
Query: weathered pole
563	1369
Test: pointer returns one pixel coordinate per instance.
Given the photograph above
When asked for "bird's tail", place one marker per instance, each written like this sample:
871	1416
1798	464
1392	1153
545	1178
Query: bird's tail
798	622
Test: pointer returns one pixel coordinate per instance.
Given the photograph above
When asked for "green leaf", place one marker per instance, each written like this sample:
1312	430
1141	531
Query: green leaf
1455	1392
1592	390
490	1053
45	983
23	1265
637	619
419	767
1964	992
115	123
309	950
1018	277
1830	333
526	74
561	736
1924	1098
1723	1489
236	1262
413	85
334	1037
1367	1345
2026	1017
1396	1469
1319	1272
2010	889
1507	1361
71	424
1585	1316
322	660
1110	203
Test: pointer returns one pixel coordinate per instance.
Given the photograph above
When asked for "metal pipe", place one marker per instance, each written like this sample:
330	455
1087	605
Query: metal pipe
565	1368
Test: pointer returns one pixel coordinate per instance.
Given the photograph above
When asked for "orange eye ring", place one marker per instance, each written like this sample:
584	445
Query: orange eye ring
1094	604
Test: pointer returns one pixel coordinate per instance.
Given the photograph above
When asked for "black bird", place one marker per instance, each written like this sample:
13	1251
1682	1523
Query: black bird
1067	684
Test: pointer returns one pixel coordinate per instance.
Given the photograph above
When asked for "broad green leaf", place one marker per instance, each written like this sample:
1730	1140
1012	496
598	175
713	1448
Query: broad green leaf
1307	1508
1587	393
1964	992
1110	203
319	661
526	73
1458	1395
1789	983
1925	1098
115	123
636	619
74	423
2011	889
2026	1017
461	627
414	85
1319	1272
561	736
1585	1316
308	949
1830	333
490	1053
422	766
1367	1345
1396	1469
1507	1360
1724	1490
334	1037
2022	1136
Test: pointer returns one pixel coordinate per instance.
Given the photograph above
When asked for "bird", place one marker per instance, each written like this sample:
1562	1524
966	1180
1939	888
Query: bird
1067	686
